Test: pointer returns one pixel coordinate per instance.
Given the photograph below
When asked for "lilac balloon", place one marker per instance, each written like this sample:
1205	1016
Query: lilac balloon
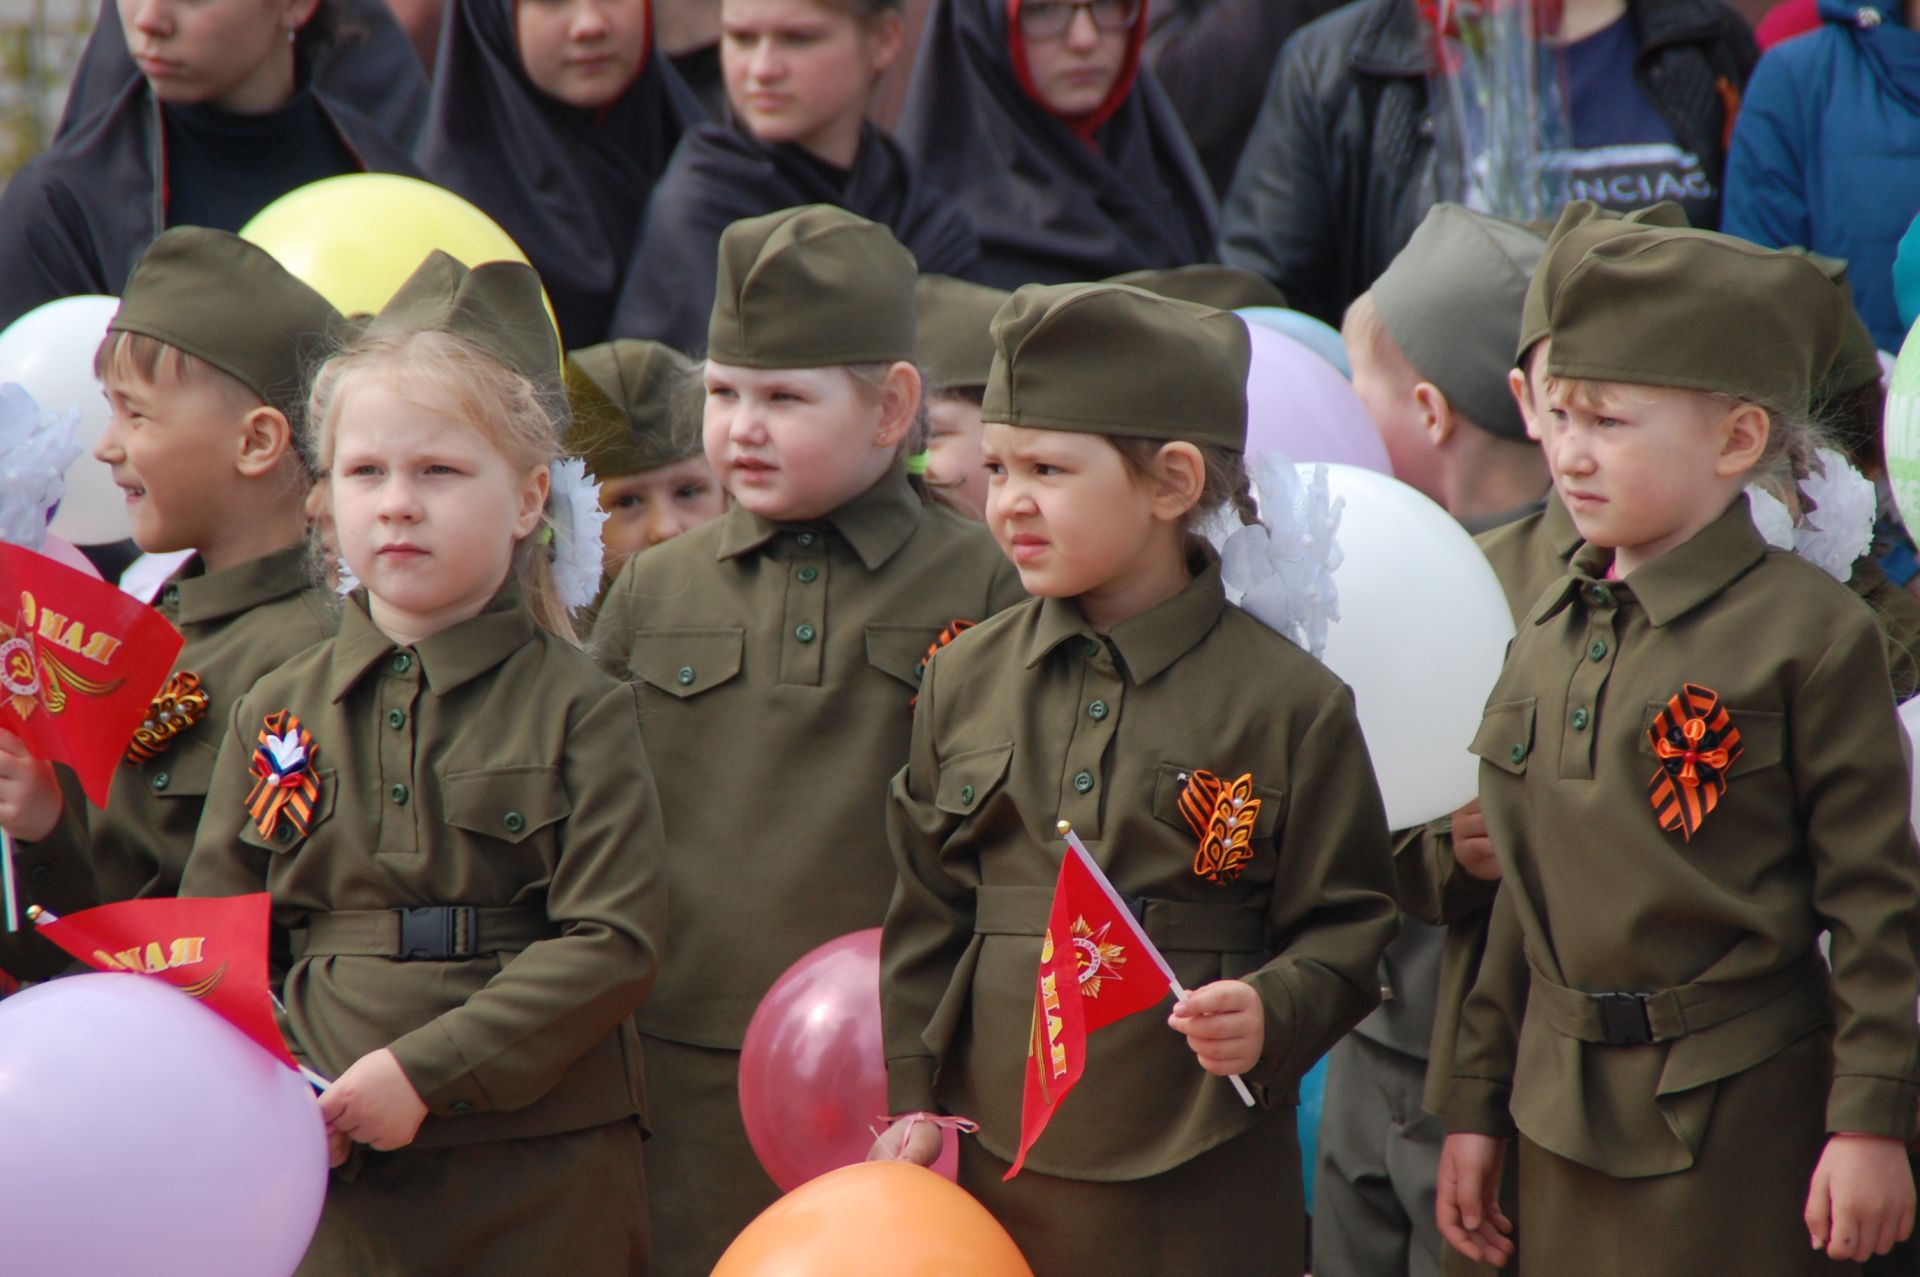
1298	405
141	1133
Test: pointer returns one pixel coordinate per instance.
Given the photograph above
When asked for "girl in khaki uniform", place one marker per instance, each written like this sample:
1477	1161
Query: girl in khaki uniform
777	652
1691	767
1116	700
451	807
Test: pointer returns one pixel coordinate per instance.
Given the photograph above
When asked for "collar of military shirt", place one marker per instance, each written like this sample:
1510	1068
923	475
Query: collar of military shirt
1150	642
1678	581
448	659
876	523
195	595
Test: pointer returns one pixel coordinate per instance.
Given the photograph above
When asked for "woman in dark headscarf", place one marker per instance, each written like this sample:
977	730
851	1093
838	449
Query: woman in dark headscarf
556	117
223	119
800	75
1038	116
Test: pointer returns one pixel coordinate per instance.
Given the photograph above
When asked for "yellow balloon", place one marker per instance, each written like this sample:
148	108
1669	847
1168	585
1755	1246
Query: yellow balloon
354	239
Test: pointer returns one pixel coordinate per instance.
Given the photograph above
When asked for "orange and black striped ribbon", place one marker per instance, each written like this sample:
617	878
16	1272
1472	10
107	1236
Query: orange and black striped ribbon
277	795
1222	815
954	629
1695	740
180	704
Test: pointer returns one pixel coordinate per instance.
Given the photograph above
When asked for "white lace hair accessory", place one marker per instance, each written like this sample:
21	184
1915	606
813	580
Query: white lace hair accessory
1837	528
1282	574
579	556
35	450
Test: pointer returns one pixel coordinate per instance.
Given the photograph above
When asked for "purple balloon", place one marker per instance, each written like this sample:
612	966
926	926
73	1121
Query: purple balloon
142	1133
1298	405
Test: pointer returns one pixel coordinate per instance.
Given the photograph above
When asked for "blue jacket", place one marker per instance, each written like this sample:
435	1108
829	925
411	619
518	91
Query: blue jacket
1826	151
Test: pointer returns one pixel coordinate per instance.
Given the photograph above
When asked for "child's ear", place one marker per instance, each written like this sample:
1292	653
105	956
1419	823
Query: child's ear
886	36
1744	434
899	404
533	502
1437	419
265	441
1180	475
1523	398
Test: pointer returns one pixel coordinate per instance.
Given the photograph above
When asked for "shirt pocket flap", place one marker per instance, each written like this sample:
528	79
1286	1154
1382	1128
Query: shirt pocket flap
966	779
685	663
1762	737
1505	738
900	650
184	771
508	803
1170	781
286	837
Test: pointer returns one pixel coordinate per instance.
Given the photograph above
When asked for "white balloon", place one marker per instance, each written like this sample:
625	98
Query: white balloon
49	350
1422	634
1910	720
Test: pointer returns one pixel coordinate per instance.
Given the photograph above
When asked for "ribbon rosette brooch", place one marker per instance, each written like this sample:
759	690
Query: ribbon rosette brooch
954	629
180	704
1221	813
1695	740
285	787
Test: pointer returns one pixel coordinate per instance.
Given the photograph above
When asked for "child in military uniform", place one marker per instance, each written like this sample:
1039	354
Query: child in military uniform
1691	766
778	650
1113	701
451	807
955	351
204	367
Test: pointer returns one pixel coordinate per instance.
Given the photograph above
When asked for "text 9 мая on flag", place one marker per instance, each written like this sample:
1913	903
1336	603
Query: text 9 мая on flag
80	663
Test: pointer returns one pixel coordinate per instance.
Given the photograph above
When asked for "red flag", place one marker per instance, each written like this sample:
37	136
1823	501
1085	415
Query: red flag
211	947
79	664
1096	966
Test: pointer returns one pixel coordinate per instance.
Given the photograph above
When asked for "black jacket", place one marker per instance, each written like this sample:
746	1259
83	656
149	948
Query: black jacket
1340	166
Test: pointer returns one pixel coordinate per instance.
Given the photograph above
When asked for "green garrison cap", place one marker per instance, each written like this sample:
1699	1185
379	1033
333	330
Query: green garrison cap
1582	224
1856	363
1451	302
1227	287
954	316
228	302
1694	310
811	287
1112	360
635	407
497	306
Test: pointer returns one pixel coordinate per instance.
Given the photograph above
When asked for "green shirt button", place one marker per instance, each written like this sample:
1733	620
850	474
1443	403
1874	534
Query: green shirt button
284	833
463	1106
1097	711
804	633
806	538
1580	720
1599	594
396	719
171	598
160	780
686	676
966	794
398	793
39	873
808	575
1083	782
402	662
514	822
1597	651
1518	754
1092	647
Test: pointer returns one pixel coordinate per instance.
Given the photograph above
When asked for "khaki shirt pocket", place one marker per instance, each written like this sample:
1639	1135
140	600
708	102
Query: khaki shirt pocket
1762	737
1170	781
185	771
968	779
285	837
1505	738
684	663
900	650
508	803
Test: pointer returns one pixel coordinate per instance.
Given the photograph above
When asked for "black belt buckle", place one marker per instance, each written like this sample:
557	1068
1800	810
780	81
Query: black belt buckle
437	933
1623	1019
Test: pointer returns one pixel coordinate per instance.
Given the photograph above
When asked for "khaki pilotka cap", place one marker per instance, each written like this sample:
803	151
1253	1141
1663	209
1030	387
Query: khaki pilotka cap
954	319
1694	310
496	306
635	406
223	300
811	287
1451	301
1584	224
1107	359
1223	287
1856	362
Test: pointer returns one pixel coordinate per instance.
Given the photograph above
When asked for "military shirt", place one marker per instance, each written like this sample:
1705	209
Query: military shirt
490	765
776	665
1810	834
1035	717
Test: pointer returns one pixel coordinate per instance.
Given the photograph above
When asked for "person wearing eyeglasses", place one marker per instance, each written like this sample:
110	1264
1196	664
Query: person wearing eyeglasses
1039	118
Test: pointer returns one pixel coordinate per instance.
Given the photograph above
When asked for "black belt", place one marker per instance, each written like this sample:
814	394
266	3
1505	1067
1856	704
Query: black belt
1170	924
1634	1019
430	933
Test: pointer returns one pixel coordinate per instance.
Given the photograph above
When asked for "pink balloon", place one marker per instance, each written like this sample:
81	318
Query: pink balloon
1300	406
813	1068
61	550
142	1133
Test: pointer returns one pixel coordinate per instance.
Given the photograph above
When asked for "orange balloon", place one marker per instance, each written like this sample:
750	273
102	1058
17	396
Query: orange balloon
876	1219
